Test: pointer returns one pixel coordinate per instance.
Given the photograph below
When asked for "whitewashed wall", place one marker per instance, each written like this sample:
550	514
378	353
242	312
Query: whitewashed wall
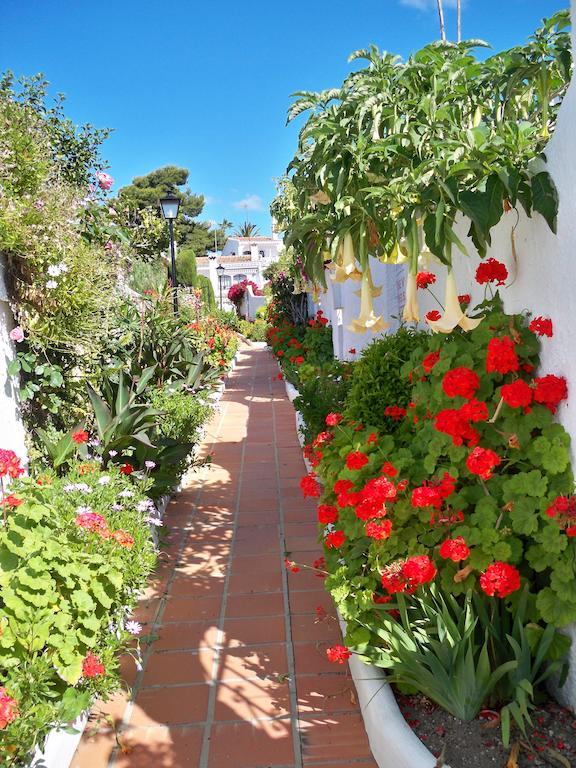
11	429
543	282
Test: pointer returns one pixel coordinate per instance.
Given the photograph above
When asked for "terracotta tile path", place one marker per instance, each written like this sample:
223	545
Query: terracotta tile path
237	676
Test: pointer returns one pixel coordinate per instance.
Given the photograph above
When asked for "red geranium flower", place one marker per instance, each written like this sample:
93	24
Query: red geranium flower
10	464
92	666
395	412
501	357
464	298
379	529
474	411
356	460
550	391
342	486
333	419
491	271
310	486
389	469
11	501
430	361
453	422
424	279
327	514
418	569
338	654
126	468
461	382
500	579
291	565
335	540
517	395
80	437
482	461
454	549
433	315
372	438
542	326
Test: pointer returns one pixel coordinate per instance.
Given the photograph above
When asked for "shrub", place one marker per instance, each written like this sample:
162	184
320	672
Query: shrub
254	330
321	391
74	552
182	413
186	272
377	381
208	298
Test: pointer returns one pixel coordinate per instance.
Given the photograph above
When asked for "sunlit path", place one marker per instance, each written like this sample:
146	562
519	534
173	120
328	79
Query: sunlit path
238	674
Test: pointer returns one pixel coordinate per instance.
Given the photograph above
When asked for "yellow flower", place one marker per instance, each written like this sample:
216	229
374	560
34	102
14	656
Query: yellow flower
411	313
376	290
367	321
346	264
453	314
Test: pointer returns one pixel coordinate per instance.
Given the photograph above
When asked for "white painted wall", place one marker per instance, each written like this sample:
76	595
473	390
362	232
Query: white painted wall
11	428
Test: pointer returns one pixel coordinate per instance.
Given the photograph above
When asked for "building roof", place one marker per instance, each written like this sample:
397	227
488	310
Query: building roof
254	239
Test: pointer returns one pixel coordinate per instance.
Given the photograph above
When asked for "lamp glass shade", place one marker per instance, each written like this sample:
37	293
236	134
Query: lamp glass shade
170	205
220	269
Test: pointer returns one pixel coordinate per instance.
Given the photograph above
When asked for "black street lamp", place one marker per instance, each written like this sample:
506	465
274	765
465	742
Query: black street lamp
220	269
170	204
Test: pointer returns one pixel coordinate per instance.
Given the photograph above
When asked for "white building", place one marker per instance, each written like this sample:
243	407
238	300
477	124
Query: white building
243	258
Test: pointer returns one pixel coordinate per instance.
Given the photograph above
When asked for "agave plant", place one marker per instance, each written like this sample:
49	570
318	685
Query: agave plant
122	420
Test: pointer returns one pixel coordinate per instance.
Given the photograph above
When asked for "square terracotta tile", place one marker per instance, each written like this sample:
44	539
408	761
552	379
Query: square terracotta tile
191	636
251	700
192	608
310	659
271	604
245	745
310	628
319	694
160	747
170	706
254	631
178	667
265	661
307	602
338	736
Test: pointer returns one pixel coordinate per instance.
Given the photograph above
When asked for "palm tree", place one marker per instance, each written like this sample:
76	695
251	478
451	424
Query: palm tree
246	230
441	20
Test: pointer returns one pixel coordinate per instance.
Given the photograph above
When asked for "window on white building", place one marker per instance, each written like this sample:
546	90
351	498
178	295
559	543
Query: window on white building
226	282
239	278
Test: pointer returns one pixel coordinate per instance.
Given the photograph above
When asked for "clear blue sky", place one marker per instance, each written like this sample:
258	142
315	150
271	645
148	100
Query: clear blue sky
206	85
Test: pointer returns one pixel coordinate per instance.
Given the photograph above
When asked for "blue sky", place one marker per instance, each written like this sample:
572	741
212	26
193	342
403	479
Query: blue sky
207	86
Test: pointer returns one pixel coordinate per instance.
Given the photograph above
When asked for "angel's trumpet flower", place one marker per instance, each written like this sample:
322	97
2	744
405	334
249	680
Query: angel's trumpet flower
453	314
375	290
346	265
411	313
367	321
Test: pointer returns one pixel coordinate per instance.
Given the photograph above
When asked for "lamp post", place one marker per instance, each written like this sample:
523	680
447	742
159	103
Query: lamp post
220	269
170	204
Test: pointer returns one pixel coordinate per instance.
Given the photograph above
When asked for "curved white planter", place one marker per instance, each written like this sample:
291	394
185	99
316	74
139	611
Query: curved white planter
393	743
60	746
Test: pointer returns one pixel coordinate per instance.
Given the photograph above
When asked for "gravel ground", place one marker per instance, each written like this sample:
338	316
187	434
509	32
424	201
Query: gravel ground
551	741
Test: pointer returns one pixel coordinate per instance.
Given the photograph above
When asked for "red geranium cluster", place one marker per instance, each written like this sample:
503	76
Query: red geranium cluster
356	460
8	708
335	539
319	321
378	529
327	514
454	549
501	356
95	523
424	279
92	666
338	654
482	461
500	579
433	495
563	508
518	394
542	326
457	422
310	486
550	391
79	437
371	500
461	382
407	576
345	497
395	412
430	361
491	271
10	464
333	419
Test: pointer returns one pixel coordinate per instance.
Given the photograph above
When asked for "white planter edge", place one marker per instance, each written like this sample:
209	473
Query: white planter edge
393	743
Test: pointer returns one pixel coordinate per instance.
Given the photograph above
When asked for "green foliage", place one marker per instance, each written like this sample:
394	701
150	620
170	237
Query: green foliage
208	299
61	587
247	229
256	331
226	319
322	391
186	272
182	413
148	277
377	381
395	153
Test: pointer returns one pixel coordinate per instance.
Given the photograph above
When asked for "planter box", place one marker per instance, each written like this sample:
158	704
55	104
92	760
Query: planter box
60	746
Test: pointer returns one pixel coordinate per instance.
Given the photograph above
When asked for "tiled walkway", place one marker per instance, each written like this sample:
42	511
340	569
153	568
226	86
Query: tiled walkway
238	676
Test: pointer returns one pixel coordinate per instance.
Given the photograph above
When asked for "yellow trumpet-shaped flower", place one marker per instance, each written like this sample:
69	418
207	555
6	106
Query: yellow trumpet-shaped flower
368	320
411	313
453	314
376	290
346	265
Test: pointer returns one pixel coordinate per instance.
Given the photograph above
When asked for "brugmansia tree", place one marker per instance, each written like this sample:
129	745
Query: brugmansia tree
387	162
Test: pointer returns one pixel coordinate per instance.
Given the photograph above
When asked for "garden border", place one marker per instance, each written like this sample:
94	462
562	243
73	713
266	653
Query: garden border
393	743
61	743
